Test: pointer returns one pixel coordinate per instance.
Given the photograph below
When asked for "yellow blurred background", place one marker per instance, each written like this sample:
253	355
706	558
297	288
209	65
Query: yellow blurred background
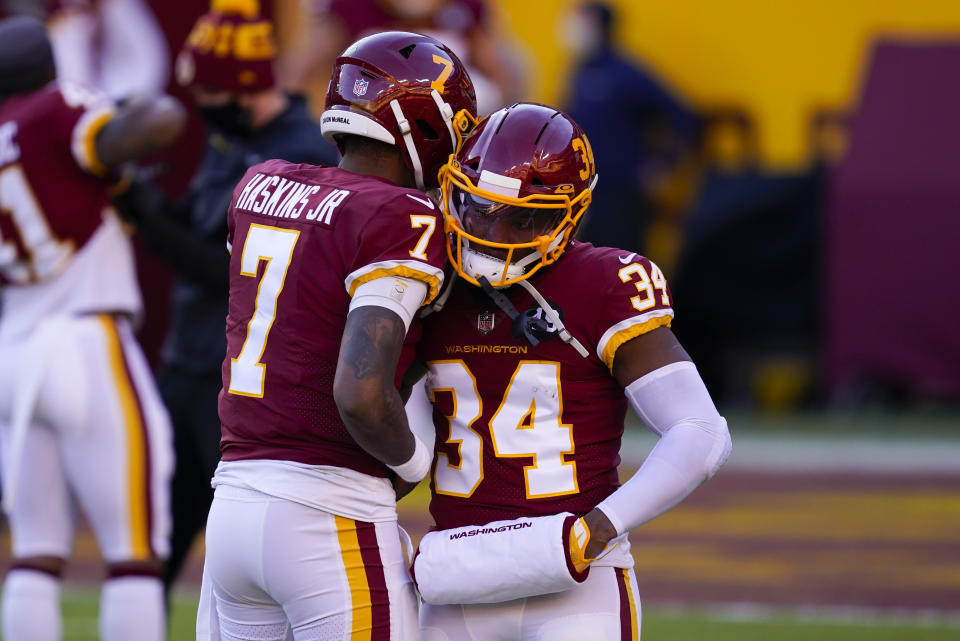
779	61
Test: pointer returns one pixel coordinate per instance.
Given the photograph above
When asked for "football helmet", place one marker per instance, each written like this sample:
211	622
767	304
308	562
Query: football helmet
403	89
513	195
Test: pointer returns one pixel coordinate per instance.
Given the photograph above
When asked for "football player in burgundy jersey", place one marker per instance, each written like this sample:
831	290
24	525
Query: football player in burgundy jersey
329	267
536	352
81	422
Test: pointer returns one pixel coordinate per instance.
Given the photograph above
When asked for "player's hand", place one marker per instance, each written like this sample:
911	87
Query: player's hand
135	196
601	532
589	536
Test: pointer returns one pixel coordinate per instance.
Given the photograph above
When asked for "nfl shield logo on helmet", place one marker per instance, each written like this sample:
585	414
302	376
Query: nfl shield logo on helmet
485	322
360	86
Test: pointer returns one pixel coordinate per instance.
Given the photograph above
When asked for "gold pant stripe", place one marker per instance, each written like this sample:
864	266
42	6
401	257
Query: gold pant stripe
634	632
362	626
136	446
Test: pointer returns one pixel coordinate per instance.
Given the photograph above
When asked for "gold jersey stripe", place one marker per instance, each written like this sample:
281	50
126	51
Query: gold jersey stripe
91	160
361	628
404	272
634	628
136	447
631	332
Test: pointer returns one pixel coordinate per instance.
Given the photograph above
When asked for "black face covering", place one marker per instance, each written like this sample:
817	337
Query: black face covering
230	119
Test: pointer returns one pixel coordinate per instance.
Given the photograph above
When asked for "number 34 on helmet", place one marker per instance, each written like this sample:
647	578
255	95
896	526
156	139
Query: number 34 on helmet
514	194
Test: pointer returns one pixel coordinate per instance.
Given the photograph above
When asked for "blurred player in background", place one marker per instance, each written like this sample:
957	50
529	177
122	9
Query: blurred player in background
641	128
80	419
329	268
466	26
227	63
531	363
113	45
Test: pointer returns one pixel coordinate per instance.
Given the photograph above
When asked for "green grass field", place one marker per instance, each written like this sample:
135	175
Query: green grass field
870	539
80	624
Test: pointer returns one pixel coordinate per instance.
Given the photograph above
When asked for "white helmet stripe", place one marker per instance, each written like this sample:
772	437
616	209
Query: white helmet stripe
405	131
501	185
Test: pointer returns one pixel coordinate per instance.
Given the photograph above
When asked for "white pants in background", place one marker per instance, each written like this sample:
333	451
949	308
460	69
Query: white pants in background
98	435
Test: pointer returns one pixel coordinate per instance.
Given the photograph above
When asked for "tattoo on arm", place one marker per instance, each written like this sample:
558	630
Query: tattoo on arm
372	342
370	405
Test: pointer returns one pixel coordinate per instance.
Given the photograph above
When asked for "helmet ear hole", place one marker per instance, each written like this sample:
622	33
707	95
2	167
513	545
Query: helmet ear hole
428	132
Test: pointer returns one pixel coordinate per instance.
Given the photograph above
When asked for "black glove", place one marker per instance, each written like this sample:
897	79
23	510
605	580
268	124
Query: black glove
136	197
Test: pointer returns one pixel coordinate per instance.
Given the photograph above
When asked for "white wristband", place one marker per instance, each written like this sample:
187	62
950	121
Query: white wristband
418	465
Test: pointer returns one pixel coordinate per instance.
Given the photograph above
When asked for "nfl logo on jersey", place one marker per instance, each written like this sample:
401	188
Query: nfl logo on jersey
360	86
485	322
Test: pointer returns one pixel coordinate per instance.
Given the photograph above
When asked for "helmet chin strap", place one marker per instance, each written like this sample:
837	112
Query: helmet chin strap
528	260
446	114
504	303
482	265
407	135
551	313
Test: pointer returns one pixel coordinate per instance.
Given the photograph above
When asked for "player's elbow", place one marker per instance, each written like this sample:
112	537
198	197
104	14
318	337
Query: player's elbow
720	444
163	123
141	127
357	401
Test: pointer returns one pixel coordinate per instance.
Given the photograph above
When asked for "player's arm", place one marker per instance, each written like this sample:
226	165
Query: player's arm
162	225
364	387
140	127
667	393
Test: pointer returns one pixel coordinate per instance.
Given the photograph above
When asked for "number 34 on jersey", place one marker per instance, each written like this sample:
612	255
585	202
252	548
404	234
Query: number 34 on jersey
527	424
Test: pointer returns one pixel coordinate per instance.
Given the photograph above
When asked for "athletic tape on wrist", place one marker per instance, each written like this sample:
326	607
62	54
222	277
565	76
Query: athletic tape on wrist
417	466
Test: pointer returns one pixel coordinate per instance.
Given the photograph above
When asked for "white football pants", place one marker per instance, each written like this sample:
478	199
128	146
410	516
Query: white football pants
277	570
605	607
97	434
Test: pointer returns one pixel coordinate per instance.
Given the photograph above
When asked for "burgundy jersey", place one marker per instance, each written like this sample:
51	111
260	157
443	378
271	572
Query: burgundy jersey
303	239
52	190
530	431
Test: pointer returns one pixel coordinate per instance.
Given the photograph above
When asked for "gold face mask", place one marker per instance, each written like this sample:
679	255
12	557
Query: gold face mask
520	234
498	226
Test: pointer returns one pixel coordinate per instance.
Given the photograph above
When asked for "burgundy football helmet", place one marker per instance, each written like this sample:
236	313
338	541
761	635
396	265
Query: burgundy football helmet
402	89
527	169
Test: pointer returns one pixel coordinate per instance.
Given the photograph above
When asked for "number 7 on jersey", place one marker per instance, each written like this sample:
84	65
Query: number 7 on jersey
274	245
